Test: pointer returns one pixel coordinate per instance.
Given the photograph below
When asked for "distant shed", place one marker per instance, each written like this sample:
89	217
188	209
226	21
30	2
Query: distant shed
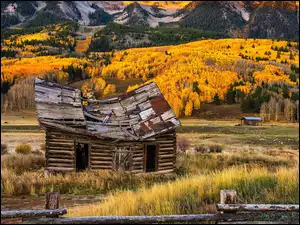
132	132
251	120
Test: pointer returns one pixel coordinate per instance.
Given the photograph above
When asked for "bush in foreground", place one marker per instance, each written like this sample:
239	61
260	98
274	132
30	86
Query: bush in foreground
23	149
183	143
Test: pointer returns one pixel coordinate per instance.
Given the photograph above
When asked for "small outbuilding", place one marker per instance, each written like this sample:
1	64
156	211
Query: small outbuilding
132	132
251	120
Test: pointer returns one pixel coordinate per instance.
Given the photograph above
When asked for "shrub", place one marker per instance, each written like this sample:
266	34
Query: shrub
183	144
20	163
23	149
201	149
211	148
3	149
216	148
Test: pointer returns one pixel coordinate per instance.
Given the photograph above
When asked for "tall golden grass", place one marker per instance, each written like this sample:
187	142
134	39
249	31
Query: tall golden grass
202	163
18	163
24	174
193	194
95	182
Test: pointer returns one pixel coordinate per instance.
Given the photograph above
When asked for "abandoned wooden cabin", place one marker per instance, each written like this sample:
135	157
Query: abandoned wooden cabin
251	120
132	132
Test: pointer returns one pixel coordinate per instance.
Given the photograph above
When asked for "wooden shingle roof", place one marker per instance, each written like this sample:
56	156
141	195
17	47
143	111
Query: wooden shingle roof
136	115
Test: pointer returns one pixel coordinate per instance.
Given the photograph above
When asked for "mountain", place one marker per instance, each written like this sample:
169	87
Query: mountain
221	16
275	19
235	18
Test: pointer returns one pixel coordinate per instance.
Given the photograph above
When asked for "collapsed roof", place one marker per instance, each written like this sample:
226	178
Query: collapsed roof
136	115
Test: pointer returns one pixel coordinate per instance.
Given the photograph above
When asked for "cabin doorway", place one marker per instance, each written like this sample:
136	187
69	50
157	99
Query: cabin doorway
82	156
151	158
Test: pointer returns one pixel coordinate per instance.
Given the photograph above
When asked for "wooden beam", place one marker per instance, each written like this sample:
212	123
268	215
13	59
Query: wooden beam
64	169
144	219
257	207
58	160
254	222
32	213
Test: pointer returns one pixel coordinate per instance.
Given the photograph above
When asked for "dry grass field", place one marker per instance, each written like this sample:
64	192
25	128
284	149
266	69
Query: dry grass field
261	163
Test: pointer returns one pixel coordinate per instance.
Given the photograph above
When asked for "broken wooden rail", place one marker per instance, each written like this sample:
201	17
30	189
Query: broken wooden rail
227	213
32	213
257	208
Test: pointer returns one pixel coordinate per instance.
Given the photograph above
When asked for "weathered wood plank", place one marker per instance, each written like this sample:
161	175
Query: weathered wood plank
59	152
257	207
101	158
51	159
103	150
52	200
228	197
166	164
100	146
99	167
254	222
162	156
60	144
143	219
65	165
138	159
63	169
95	163
160	142
59	140
100	154
32	213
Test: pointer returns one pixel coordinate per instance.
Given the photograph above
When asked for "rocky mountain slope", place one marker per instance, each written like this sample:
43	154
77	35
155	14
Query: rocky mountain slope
234	18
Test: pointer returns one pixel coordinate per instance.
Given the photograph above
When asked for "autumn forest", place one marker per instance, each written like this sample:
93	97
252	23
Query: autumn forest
261	75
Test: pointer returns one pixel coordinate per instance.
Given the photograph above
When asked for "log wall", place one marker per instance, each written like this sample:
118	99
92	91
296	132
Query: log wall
166	152
60	152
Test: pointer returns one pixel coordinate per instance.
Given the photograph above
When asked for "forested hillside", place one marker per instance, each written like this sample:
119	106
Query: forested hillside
262	75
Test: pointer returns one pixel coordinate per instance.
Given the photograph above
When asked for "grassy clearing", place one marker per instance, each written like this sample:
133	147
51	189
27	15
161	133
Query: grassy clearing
259	168
192	194
19	164
240	138
24	174
98	182
23	117
204	163
14	138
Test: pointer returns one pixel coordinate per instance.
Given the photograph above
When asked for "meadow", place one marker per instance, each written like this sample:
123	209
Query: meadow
261	163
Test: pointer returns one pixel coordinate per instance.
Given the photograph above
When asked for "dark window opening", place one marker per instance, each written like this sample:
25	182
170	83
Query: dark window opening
150	158
82	156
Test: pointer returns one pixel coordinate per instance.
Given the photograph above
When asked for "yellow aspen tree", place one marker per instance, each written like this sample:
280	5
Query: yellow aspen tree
197	104
188	108
109	89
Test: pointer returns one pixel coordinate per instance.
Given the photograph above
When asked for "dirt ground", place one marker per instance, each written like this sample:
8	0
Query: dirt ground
38	202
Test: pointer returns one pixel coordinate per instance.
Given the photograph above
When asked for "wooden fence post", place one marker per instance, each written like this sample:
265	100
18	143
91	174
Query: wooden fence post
52	200
228	197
